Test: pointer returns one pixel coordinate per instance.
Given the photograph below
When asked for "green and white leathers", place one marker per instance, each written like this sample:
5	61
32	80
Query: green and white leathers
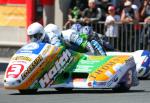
93	38
77	41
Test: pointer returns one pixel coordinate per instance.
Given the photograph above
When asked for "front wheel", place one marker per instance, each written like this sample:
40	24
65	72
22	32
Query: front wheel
28	91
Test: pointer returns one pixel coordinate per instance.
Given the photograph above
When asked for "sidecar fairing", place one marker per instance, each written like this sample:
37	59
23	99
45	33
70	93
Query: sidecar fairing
40	65
142	60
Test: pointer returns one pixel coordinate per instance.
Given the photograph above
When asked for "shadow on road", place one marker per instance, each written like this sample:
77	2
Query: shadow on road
81	92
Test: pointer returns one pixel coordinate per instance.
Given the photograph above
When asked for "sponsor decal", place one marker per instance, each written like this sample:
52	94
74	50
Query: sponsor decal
31	67
31	46
14	70
145	62
79	80
34	48
19	62
95	83
145	53
90	84
106	71
145	59
114	79
61	63
46	50
22	58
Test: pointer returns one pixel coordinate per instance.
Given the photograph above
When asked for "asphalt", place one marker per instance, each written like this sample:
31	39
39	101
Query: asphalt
138	94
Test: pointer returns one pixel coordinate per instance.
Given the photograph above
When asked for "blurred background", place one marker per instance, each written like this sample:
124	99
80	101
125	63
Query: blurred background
16	15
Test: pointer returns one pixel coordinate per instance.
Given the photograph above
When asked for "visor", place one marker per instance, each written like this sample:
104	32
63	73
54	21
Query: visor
35	37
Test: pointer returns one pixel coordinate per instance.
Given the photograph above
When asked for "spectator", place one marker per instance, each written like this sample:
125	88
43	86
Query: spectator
145	11
73	17
92	13
111	26
129	14
81	4
112	30
135	4
118	4
75	12
138	3
145	33
103	4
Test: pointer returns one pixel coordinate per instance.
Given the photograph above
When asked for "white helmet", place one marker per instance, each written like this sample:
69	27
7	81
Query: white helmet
52	28
36	32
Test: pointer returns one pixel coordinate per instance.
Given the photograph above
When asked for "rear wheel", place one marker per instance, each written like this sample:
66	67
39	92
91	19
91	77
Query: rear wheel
125	86
122	87
64	89
28	91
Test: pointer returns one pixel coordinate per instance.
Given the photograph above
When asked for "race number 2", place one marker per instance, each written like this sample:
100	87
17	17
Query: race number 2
14	70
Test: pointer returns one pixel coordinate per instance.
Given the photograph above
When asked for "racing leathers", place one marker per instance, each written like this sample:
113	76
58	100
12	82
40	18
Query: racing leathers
53	39
98	47
102	40
76	42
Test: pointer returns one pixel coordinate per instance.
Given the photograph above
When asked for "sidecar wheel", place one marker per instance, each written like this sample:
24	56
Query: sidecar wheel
64	89
28	91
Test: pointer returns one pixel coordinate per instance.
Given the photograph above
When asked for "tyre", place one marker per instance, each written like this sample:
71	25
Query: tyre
64	89
28	91
122	87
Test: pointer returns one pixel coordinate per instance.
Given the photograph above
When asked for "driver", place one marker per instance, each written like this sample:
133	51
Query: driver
36	33
88	33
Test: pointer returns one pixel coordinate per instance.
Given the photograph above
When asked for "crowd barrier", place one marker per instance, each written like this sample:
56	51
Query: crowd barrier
131	36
